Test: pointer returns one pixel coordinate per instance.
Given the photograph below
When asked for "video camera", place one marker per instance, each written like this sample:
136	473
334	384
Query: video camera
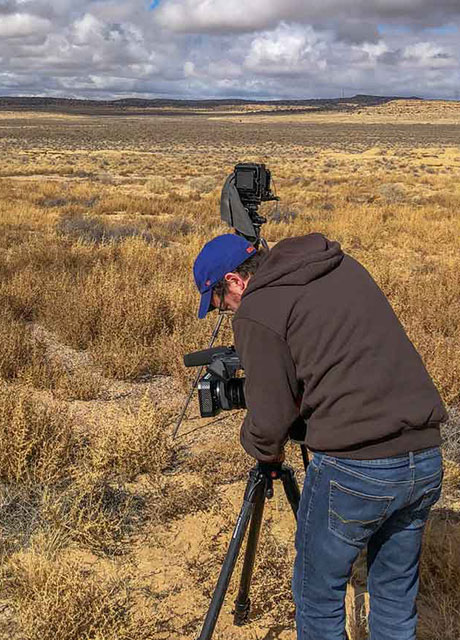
219	389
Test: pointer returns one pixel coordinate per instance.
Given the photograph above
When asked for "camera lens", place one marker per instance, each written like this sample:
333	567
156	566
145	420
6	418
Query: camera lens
208	397
235	393
215	395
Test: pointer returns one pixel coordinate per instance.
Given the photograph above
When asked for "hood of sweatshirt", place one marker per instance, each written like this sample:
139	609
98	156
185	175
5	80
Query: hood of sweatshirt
296	261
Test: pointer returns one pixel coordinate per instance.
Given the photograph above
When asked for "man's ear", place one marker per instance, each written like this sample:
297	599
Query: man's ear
231	277
235	279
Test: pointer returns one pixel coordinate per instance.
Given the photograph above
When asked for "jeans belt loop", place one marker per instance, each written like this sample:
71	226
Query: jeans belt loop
411	460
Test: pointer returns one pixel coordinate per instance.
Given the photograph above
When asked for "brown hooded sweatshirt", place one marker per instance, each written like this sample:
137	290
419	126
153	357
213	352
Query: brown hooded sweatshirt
321	346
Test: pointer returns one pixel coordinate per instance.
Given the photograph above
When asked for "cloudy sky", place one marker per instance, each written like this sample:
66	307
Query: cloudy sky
271	49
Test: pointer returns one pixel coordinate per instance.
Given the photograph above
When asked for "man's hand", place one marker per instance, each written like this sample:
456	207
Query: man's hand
276	459
272	468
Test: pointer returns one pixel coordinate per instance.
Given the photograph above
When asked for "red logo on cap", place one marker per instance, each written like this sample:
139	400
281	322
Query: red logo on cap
250	249
207	283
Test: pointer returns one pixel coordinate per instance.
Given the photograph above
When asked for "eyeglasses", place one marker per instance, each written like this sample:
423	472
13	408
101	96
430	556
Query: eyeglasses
222	310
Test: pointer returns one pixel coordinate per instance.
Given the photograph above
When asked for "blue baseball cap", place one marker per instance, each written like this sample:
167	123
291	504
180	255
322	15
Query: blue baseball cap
219	256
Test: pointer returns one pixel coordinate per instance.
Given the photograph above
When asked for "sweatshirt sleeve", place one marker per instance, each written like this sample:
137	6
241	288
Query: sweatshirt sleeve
270	390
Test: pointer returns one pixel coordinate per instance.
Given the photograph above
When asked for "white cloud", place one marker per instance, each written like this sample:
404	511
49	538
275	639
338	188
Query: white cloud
428	54
291	50
189	69
218	15
18	25
87	29
241	15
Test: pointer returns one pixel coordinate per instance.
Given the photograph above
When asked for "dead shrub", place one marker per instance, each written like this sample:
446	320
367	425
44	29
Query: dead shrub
204	184
94	513
225	463
451	435
76	489
177	227
19	517
169	501
138	443
61	600
97	231
439	597
78	384
53	202
272	579
38	444
282	213
393	192
18	348
158	184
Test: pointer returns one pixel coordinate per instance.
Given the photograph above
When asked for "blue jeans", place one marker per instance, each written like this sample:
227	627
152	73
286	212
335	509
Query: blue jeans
347	504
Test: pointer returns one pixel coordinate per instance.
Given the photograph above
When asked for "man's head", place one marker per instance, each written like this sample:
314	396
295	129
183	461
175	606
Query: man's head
222	271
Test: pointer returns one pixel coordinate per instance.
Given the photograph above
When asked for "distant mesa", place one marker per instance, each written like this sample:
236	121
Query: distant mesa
165	106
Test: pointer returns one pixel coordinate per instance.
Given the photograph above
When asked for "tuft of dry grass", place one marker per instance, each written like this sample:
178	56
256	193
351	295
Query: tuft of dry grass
38	443
139	443
272	583
451	434
439	598
61	600
74	486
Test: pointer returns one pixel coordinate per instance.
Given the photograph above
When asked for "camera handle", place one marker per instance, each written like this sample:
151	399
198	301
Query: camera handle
214	335
259	488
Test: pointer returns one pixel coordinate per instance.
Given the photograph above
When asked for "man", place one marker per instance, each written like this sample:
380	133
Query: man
320	343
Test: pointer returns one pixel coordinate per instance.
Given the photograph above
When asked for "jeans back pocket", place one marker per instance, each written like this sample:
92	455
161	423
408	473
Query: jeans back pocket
417	514
355	516
430	497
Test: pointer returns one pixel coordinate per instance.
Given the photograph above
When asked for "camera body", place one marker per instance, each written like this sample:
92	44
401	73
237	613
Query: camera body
244	190
220	389
252	182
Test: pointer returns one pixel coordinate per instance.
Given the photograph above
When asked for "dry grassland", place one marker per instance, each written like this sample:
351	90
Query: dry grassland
392	112
108	530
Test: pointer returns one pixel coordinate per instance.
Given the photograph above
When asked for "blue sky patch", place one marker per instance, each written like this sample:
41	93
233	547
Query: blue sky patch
443	30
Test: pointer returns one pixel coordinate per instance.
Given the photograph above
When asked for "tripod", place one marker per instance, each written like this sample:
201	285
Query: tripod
258	488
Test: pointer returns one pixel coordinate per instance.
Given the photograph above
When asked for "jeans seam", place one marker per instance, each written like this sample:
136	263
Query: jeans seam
427	454
428	495
433	452
367	478
412	485
430	477
305	555
359	493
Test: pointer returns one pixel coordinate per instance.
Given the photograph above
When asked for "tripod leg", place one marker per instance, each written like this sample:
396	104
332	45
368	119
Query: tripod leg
242	602
291	488
254	482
